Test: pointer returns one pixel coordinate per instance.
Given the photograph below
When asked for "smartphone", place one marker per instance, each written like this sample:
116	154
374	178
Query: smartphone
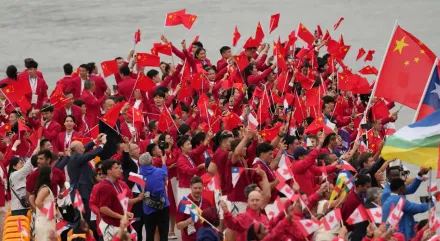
115	87
425	199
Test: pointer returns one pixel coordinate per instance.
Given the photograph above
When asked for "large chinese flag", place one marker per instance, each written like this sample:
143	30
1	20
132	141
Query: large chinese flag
406	69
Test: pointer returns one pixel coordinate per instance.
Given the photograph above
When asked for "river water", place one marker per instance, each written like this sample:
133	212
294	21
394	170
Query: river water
58	32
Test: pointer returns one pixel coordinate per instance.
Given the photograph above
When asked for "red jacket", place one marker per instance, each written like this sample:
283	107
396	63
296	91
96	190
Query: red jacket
75	87
242	221
351	202
125	88
93	204
66	81
306	170
25	74
187	169
59	114
60	143
125	131
100	84
41	91
93	106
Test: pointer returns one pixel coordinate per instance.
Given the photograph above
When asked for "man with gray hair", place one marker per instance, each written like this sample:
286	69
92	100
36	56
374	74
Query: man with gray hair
156	204
93	104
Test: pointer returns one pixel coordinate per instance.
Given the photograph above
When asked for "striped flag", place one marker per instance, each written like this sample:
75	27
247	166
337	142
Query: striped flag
136	178
48	210
78	203
236	173
62	226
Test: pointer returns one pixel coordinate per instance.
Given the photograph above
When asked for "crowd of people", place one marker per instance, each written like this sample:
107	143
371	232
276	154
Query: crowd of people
246	155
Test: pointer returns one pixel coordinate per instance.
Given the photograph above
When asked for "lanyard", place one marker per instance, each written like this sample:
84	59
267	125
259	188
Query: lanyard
287	154
267	167
117	190
190	160
68	140
33	83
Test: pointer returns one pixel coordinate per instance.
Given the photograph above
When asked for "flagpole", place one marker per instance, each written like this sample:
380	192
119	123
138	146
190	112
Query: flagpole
429	192
426	89
378	77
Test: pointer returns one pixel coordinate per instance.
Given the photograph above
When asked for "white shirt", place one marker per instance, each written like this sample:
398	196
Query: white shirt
131	127
82	85
68	111
33	84
137	103
68	139
47	124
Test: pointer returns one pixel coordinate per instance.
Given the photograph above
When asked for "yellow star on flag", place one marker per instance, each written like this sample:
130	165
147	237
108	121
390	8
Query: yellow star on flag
320	118
416	59
406	63
422	51
400	44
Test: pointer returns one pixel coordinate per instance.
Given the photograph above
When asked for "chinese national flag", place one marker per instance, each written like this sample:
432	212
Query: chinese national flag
281	62
144	83
368	70
144	59
163	48
197	81
361	53
274	20
270	134
319	31
259	34
369	56
305	35
57	98
242	61
23	127
317	125
231	121
344	83
380	110
185	91
292	40
251	43
326	36
172	19
235	37
4	129
313	96
137	36
137	116
112	115
405	70
165	121
362	86
187	20
109	67
305	82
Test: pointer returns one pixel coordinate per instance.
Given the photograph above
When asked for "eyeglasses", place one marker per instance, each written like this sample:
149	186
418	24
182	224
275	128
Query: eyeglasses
100	174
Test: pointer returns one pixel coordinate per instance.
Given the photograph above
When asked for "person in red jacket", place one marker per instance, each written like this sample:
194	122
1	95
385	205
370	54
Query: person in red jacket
77	86
66	81
184	221
93	104
355	197
37	85
100	84
126	86
59	114
186	166
241	222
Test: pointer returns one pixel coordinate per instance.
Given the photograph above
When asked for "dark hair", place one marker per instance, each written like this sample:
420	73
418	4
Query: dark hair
198	44
249	188
79	102
197	52
47	108
251	234
234	143
162	144
163	89
309	120
151	73
90	67
69	116
198	139
34	161
84	66
32	64
150	148
68	69
263	148
224	49
182	140
43	178
43	142
124	70
196	179
363	159
330	137
108	165
396	184
159	93
13	162
118	58
362	180
389	169
46	153
183	129
236	132
152	125
12	72
290	139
